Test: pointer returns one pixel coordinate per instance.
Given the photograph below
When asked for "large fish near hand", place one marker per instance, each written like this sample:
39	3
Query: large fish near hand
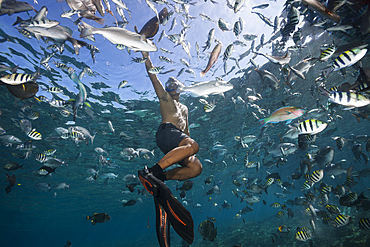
58	33
212	59
117	35
207	88
151	27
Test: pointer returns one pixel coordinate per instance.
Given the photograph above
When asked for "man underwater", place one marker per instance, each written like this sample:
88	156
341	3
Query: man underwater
173	139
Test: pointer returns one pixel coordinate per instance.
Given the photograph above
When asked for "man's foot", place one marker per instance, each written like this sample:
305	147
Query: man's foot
149	181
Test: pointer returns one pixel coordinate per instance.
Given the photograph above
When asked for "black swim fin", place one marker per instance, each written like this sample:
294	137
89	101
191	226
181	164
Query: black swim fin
178	216
162	225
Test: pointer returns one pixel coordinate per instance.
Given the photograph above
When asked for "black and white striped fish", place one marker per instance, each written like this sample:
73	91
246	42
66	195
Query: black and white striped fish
41	158
156	70
317	175
58	103
69	13
332	209
238	28
223	25
184	62
340	141
34	115
25	33
311	126
303	236
54	90
139	59
342	220
18	78
34	135
348	58
228	51
364	224
327	53
165	50
45	23
346	98
297	36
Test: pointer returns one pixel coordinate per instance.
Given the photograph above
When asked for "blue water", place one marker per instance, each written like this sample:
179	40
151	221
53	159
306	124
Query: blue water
31	217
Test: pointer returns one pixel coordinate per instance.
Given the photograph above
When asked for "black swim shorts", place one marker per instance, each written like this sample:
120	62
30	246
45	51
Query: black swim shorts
169	137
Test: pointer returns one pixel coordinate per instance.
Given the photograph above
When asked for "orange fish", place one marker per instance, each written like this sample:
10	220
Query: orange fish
212	59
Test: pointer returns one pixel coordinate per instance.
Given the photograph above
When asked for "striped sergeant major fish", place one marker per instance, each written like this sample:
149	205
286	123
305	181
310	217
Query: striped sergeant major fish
342	220
349	99
34	135
317	176
311	126
303	236
19	78
346	59
364	224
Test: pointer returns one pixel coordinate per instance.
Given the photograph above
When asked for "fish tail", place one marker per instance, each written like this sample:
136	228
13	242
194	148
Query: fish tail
88	217
263	121
86	30
77	44
19	20
324	91
14	69
92	139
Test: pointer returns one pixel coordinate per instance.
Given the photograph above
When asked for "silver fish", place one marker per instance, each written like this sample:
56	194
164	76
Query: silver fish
117	35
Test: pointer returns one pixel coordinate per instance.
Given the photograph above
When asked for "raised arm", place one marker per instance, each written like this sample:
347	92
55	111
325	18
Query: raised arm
158	87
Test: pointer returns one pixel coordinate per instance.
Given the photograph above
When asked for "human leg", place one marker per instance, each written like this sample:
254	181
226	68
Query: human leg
187	147
192	168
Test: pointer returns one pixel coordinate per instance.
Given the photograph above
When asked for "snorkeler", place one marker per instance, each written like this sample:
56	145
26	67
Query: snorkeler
173	139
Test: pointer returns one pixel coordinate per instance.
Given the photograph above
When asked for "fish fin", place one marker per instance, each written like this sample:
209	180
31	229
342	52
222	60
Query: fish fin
142	38
289	121
135	28
348	108
324	91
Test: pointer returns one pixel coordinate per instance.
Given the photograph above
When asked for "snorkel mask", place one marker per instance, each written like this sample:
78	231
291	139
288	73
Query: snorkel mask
173	84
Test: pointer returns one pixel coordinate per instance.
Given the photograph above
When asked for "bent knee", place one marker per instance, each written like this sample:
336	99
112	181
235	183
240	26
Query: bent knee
195	148
191	143
196	168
